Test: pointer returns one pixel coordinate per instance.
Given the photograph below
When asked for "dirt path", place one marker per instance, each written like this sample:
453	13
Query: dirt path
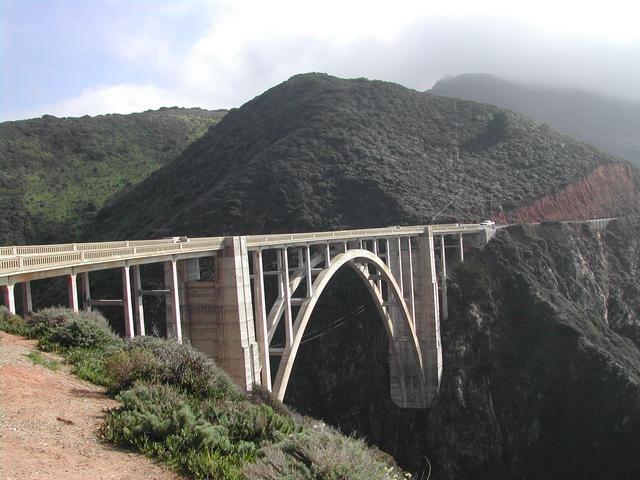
48	425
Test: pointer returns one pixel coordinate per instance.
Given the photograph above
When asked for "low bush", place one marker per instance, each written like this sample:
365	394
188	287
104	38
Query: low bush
89	364
168	362
14	324
320	453
161	422
60	329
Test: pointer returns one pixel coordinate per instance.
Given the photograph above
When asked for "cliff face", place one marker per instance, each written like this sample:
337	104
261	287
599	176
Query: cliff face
541	363
594	196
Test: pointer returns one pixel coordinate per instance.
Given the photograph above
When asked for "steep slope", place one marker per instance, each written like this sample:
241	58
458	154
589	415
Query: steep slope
541	363
55	173
609	123
320	152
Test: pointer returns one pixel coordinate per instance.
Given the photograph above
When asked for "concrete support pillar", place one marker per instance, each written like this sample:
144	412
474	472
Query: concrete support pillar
127	304
174	319
86	292
239	356
137	297
27	301
461	248
286	295
327	256
403	369
8	292
443	279
307	266
72	291
427	313
261	320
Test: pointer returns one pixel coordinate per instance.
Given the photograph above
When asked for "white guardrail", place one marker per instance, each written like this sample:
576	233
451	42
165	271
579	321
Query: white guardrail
29	258
93	253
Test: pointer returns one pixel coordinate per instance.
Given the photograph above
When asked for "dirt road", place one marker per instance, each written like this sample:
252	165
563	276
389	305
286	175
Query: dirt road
48	424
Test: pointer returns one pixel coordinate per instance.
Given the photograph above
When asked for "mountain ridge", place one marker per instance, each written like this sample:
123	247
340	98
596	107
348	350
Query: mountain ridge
319	152
608	122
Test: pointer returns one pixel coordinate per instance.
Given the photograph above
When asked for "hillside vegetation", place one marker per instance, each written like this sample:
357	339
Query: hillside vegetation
319	152
609	123
177	406
55	173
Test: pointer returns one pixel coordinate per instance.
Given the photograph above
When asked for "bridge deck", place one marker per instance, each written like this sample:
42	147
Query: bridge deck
51	260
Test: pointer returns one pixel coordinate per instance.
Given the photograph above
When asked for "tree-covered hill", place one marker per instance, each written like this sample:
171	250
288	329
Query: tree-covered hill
55	173
609	123
319	152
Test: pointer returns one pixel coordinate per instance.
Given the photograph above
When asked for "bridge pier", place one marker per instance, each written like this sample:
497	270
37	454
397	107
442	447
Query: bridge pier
126	303
238	354
174	319
72	292
86	292
443	278
8	292
27	301
427	314
137	297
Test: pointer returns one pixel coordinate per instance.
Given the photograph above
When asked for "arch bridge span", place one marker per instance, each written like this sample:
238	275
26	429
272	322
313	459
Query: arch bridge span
253	314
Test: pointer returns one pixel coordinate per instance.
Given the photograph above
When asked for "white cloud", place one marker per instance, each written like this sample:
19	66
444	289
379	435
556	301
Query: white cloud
102	99
245	47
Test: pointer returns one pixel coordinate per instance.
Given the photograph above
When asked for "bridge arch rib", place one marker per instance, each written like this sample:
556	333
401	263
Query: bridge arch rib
359	260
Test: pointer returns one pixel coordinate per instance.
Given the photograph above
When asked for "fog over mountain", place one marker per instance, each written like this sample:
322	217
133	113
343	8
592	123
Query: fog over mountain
613	124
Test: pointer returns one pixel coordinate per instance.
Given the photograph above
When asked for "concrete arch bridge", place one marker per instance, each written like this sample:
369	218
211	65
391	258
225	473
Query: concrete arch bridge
235	317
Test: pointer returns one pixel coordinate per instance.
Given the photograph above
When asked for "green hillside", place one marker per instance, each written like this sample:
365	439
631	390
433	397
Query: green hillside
319	152
55	173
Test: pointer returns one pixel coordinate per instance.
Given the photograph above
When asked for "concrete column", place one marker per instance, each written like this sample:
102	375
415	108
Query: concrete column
72	290
307	266
86	292
327	256
408	289
461	248
427	313
443	279
261	319
127	304
286	295
174	319
403	369
137	297
27	302
8	292
239	356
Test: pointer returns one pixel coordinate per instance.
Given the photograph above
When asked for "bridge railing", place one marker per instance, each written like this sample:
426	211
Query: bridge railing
74	247
115	251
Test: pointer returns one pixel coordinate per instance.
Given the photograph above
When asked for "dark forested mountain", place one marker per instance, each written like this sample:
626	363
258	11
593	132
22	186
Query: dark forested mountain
55	173
319	152
609	123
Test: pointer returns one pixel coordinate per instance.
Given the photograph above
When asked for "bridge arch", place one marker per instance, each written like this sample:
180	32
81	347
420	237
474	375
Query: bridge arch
359	260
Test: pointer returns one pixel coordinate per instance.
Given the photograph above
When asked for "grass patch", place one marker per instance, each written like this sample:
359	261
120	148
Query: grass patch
38	359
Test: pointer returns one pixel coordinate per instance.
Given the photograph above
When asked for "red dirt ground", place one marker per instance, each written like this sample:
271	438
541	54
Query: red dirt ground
49	422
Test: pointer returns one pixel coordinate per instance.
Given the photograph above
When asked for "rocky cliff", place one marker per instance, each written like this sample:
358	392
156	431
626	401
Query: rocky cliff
541	363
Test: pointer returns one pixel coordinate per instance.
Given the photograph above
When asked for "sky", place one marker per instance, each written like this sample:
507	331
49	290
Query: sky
78	57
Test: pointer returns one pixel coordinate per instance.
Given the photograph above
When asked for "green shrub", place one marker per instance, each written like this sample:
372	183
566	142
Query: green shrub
60	329
14	324
89	364
159	421
173	364
320	453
